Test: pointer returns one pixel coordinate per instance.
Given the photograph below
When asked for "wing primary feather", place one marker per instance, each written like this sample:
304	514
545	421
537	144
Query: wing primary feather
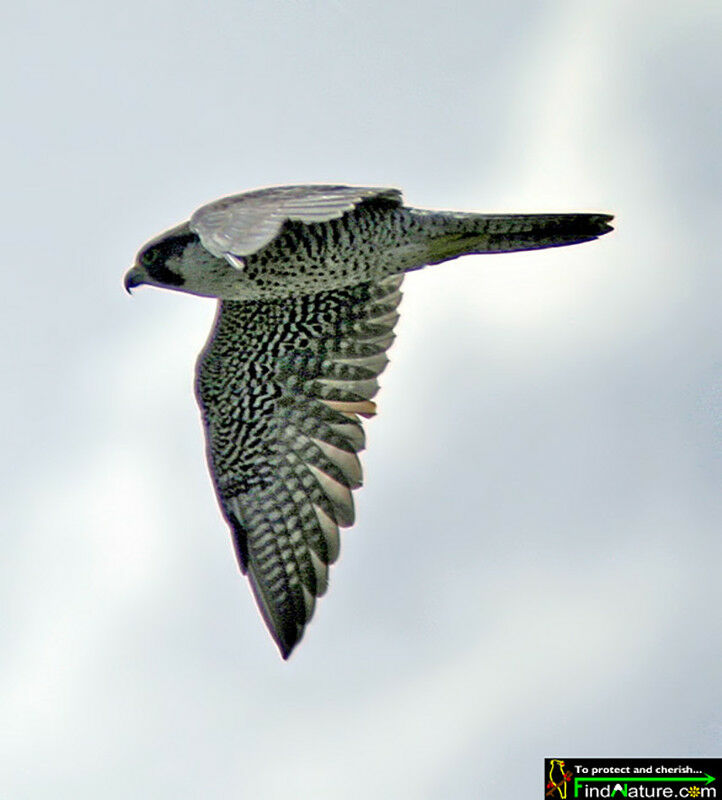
348	463
330	532
366	408
338	494
353	433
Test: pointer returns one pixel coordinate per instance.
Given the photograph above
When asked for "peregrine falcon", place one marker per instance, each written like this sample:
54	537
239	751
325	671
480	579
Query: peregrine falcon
308	284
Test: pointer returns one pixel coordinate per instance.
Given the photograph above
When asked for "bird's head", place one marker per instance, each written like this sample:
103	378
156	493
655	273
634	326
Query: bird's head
174	260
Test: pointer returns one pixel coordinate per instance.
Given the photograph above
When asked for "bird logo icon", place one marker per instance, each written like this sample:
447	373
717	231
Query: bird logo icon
559	778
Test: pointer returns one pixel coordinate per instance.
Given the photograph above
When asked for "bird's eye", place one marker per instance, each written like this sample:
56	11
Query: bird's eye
150	256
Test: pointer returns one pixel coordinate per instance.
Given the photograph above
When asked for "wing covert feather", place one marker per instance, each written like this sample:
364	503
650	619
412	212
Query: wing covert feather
240	225
280	384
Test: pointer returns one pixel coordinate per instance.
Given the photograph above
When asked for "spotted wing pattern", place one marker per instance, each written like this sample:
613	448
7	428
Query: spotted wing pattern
240	225
281	385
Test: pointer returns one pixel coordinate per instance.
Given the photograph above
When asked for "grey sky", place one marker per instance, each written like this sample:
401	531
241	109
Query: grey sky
535	566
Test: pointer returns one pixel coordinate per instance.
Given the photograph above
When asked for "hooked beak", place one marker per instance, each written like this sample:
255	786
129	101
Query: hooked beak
133	277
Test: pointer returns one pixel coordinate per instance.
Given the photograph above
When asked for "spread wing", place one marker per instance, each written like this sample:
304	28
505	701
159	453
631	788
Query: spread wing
238	226
281	385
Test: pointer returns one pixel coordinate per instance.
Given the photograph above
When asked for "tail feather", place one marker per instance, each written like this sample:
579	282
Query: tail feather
509	233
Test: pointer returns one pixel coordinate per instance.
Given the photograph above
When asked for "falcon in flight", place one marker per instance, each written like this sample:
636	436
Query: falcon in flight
308	282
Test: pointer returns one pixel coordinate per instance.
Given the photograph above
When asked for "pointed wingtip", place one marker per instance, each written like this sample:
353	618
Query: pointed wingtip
286	644
285	632
284	640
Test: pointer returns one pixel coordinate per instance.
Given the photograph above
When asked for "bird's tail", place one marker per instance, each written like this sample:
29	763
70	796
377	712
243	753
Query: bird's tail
462	234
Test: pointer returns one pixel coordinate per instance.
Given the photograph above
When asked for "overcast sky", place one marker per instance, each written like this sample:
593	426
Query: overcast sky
535	567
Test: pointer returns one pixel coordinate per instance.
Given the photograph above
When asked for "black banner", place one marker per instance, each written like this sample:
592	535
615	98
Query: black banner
618	778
